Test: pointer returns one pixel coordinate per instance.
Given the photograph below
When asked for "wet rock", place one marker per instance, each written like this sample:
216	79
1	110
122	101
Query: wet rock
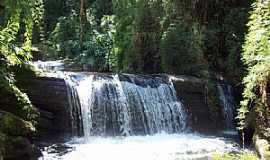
58	149
193	93
49	95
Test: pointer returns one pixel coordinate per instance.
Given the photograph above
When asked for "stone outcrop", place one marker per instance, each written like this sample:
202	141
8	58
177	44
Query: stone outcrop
49	95
193	93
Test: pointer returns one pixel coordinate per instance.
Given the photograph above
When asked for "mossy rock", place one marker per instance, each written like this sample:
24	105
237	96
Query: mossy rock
12	125
20	148
14	101
14	148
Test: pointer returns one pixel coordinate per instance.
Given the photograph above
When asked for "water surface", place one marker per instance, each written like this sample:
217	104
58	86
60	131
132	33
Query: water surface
156	147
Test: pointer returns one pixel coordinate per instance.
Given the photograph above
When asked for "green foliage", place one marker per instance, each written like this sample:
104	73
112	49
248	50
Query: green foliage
224	27
181	49
97	55
235	28
94	50
256	56
19	16
65	38
146	37
125	12
213	32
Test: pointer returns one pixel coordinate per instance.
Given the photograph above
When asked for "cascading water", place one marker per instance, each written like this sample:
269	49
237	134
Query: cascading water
227	101
129	117
126	105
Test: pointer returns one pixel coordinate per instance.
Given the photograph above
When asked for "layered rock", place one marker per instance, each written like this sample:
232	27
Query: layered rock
49	95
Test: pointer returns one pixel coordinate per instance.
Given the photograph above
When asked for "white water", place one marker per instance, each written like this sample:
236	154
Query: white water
86	100
49	66
110	106
126	108
226	100
156	147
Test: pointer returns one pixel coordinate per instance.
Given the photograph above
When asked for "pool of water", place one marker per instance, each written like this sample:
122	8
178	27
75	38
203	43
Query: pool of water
156	147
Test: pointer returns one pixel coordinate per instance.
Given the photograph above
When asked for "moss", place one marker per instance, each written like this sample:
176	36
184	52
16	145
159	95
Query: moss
24	72
14	138
20	148
14	126
243	156
14	101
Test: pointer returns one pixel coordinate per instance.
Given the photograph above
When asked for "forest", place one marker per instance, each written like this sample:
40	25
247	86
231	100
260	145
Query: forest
212	41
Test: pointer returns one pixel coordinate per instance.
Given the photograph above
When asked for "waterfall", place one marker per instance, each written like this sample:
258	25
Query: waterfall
124	105
226	100
49	66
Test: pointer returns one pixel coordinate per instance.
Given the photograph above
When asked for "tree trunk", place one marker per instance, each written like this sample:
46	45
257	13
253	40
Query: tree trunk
83	20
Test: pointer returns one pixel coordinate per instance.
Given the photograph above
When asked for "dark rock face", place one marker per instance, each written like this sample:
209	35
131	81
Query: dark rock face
193	94
49	95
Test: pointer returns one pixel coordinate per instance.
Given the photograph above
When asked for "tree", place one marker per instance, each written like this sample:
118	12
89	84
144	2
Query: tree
19	17
256	56
181	50
83	20
146	37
